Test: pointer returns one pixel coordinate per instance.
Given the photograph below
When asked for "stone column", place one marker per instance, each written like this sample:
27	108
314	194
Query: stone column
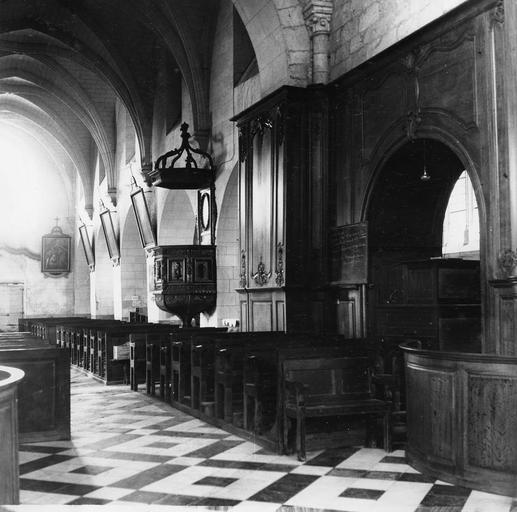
317	14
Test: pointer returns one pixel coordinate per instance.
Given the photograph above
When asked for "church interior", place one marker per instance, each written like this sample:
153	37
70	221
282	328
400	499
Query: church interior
264	256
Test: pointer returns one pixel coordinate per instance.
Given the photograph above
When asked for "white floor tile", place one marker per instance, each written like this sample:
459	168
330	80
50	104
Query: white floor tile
311	470
109	493
248	482
484	502
30	456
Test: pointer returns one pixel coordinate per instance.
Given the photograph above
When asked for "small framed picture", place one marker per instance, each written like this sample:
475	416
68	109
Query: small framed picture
110	235
143	218
55	252
87	247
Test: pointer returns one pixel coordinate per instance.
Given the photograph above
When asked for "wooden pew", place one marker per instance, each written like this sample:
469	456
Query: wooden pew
329	387
263	379
112	370
44	394
46	328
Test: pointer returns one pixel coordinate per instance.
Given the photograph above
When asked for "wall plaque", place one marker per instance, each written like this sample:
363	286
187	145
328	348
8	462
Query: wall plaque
349	254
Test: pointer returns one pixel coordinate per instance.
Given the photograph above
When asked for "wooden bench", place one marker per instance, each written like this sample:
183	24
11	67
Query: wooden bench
144	354
326	387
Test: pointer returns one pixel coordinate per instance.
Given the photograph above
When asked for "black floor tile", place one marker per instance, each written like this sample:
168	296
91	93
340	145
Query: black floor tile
44	462
440	509
41	449
28	484
416	477
178	500
284	488
213	449
364	494
393	459
332	457
292	508
91	470
203	435
445	496
77	489
383	475
161	444
111	441
347	473
89	501
216	502
148	476
217	481
144	497
237	464
141	457
171	422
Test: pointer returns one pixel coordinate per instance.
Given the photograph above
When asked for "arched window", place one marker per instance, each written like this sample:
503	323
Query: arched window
461	222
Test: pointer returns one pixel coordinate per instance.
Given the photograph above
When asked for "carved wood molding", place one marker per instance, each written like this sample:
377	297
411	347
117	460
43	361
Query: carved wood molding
261	277
507	262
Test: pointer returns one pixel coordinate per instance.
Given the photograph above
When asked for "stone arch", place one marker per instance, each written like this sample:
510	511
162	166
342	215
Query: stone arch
133	267
176	224
280	39
228	250
405	214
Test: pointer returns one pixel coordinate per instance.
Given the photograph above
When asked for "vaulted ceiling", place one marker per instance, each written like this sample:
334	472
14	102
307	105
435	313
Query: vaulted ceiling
65	63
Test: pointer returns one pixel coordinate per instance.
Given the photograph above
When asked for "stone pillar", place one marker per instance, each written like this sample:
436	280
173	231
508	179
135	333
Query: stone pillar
317	14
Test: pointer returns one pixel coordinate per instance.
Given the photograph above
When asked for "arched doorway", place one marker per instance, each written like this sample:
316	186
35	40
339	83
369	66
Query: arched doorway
414	291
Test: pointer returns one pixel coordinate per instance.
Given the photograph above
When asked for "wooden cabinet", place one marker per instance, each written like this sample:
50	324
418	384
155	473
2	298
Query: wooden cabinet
282	191
434	300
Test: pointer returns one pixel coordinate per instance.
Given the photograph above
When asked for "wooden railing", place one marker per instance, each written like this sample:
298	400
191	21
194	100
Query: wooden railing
462	418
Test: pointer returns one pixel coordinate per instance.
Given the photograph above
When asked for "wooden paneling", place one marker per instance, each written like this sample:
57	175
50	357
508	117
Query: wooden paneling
261	192
282	208
448	69
462	419
262	316
446	84
9	473
433	432
488	427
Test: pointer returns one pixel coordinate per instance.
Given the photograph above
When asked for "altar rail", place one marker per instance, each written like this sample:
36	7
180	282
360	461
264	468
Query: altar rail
462	418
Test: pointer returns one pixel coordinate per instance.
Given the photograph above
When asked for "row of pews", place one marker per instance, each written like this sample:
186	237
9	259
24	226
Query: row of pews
272	387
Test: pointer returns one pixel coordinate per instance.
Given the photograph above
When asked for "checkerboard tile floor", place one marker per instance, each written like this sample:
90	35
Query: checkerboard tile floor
129	451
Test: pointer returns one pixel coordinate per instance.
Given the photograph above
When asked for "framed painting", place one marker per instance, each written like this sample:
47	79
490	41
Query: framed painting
55	252
87	247
111	237
143	219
